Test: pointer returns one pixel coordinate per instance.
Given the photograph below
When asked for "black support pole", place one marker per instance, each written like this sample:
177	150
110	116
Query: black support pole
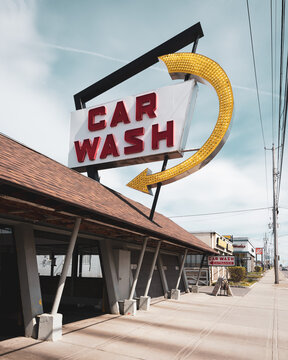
92	173
187	76
158	190
176	43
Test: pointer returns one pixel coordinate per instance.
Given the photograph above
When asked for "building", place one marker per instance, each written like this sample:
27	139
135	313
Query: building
208	275
52	212
244	253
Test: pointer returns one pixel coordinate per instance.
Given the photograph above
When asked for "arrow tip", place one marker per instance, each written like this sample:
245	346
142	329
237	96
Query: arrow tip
140	182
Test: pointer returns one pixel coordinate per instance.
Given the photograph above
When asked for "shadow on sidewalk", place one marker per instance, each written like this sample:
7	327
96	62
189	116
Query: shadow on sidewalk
236	291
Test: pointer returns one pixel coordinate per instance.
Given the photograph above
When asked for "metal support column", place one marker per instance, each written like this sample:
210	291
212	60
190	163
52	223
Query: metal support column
201	265
74	270
162	276
53	262
184	276
138	269
80	264
181	269
66	267
152	269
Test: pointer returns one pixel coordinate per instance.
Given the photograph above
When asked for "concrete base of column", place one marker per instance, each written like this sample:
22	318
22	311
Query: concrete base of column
175	294
144	303
137	302
194	289
128	307
167	295
50	327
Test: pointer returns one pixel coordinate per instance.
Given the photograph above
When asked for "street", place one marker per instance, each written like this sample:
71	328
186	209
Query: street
285	273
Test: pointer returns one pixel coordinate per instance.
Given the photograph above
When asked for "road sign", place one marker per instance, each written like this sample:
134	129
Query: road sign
259	251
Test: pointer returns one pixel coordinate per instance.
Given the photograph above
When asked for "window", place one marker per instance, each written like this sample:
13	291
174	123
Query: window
195	261
52	266
91	266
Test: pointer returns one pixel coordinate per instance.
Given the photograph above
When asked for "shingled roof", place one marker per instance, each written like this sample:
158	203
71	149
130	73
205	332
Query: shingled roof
31	177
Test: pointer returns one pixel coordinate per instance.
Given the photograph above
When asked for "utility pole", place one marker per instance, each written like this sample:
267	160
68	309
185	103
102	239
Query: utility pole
265	240
275	216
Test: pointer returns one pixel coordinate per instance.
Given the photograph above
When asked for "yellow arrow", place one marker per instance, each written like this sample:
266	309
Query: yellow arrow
201	68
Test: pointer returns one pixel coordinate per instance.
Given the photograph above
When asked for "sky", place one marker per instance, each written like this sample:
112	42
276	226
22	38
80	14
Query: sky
52	49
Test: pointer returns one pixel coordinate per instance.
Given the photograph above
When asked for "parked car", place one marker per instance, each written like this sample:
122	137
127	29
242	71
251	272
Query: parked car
284	268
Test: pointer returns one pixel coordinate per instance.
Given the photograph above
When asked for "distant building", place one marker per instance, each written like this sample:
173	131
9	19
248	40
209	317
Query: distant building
244	253
222	244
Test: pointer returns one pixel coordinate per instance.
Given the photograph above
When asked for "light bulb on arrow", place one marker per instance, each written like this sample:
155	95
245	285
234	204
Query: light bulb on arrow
201	68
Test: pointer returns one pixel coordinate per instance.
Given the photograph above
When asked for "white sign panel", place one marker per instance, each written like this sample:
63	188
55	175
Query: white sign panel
221	261
240	247
259	251
133	130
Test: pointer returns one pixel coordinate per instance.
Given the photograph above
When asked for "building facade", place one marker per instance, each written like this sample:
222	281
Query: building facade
208	274
244	253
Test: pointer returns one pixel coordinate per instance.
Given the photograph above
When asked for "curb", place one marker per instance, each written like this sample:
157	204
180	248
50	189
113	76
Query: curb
243	287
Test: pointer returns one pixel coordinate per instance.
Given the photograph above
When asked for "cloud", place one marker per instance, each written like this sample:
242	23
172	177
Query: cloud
85	52
30	112
220	186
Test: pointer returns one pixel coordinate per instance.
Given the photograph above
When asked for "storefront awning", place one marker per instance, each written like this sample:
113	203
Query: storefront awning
36	188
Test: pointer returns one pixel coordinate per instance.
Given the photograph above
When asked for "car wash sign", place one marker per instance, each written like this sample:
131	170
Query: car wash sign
221	261
135	129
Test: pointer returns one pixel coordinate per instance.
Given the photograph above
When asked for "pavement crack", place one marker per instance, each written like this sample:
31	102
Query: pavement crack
187	350
275	355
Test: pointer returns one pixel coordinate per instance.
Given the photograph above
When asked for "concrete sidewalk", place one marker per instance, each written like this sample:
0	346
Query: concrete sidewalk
199	326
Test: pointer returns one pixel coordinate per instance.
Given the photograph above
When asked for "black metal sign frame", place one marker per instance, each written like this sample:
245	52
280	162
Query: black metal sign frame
172	45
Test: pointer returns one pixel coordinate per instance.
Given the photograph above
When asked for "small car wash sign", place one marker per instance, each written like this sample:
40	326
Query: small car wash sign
221	261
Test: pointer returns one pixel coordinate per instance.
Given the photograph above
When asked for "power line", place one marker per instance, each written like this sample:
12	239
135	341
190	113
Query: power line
272	72
255	73
281	74
282	129
257	89
220	212
282	235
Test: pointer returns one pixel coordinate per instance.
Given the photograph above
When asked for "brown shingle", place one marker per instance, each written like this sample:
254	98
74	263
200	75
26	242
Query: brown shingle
34	172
